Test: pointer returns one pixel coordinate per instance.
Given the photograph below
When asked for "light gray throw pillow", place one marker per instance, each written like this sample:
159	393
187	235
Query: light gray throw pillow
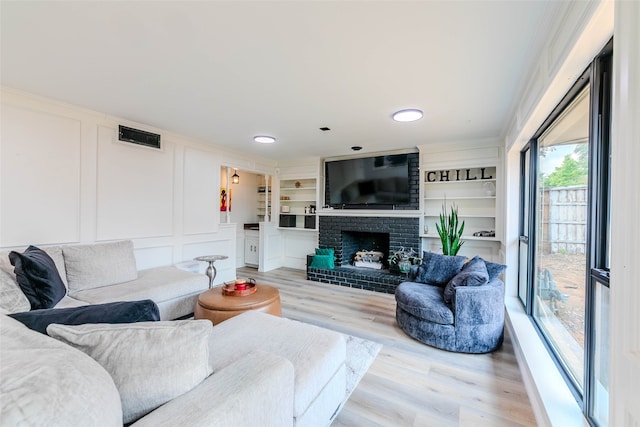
12	299
151	363
101	264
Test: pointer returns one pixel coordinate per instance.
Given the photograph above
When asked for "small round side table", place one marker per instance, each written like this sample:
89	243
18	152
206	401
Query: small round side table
211	270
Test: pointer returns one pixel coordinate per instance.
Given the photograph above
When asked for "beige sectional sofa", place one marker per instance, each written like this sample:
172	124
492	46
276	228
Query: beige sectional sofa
253	369
106	272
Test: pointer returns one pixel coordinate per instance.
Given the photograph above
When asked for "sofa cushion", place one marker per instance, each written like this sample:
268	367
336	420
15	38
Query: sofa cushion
38	277
438	269
473	273
253	390
115	312
424	302
158	284
96	265
150	362
12	299
317	354
46	382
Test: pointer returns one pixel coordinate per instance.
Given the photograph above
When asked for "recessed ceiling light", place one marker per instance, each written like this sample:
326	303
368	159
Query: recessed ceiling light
356	148
408	115
264	139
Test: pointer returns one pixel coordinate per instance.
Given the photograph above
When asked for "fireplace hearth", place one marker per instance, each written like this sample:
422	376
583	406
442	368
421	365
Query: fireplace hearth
348	235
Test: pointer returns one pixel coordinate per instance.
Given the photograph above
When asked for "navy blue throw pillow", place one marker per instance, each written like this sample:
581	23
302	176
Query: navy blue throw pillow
438	269
473	273
113	312
494	269
38	277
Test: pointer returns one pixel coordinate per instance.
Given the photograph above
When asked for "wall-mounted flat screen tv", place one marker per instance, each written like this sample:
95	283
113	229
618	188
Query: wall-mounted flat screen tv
380	182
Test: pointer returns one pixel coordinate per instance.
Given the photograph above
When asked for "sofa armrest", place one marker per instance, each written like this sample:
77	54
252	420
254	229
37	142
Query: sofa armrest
476	305
255	390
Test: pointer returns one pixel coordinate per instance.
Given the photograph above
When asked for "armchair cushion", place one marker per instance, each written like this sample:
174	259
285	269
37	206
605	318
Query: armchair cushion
424	302
473	273
438	269
494	269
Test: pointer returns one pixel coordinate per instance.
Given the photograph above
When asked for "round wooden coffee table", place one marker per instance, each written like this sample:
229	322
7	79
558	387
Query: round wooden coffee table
216	307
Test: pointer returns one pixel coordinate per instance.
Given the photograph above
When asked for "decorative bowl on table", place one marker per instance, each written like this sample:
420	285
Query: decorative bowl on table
239	287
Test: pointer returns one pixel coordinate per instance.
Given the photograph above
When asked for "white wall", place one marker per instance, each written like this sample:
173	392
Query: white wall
624	352
66	178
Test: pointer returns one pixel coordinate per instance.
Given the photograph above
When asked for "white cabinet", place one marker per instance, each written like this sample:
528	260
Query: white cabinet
252	247
472	190
298	203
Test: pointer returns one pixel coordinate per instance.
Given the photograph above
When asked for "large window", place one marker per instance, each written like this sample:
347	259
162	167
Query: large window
561	233
564	235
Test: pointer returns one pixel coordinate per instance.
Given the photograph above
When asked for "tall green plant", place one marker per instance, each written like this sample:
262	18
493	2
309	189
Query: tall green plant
450	231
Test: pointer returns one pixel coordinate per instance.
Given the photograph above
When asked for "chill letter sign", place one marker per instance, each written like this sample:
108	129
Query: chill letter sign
458	175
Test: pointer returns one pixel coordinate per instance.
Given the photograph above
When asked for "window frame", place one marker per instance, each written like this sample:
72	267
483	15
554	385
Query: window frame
598	77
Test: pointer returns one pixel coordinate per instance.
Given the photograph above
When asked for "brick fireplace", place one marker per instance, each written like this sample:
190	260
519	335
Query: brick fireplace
348	234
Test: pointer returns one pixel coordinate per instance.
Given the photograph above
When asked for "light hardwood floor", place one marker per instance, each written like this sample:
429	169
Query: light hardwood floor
409	383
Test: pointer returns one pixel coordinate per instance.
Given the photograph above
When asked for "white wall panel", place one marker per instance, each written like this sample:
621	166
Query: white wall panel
153	257
297	244
134	189
201	192
40	178
226	268
624	354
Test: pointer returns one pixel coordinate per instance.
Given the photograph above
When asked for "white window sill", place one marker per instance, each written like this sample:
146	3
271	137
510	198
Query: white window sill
552	401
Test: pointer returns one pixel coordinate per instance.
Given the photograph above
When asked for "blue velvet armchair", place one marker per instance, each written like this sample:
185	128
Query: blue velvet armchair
472	322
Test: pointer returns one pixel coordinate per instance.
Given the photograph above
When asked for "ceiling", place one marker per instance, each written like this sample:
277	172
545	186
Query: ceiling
224	71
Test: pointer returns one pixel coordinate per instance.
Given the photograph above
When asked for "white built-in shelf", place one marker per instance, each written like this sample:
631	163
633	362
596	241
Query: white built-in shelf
470	181
298	194
463	198
470	237
475	199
